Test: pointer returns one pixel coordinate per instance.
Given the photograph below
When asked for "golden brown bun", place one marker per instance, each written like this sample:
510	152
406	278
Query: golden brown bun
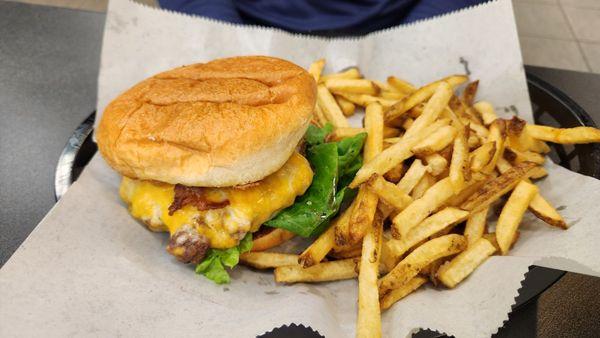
222	123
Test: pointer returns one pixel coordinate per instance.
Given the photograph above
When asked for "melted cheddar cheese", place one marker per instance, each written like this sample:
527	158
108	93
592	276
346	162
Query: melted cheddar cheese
248	207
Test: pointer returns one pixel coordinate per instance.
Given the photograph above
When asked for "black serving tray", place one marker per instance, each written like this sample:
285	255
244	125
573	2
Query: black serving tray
550	106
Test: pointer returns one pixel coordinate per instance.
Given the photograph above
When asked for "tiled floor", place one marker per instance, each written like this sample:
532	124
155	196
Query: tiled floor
554	33
560	33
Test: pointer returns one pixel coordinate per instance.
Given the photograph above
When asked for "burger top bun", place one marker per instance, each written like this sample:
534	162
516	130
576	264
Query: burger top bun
223	123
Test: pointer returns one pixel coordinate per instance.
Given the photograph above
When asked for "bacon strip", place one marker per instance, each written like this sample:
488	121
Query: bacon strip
193	196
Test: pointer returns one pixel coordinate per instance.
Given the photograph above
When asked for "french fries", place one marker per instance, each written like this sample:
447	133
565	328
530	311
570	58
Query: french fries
413	175
268	260
344	132
401	85
353	86
322	272
316	68
330	108
366	201
419	209
389	192
272	239
492	190
429	227
486	111
435	142
453	272
433	161
459	164
347	107
475	226
575	135
481	156
410	266
368	323
351	73
396	294
512	213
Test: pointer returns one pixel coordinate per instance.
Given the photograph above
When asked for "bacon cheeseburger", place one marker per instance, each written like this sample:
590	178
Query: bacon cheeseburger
209	152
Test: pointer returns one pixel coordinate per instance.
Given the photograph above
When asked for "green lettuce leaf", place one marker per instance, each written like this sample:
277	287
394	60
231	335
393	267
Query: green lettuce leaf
213	265
334	165
315	135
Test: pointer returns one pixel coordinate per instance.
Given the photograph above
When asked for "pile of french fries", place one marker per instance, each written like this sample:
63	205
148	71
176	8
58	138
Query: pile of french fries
436	167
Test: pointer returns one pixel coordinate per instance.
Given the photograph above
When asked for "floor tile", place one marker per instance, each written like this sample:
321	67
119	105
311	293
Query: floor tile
581	3
591	52
585	23
552	53
541	20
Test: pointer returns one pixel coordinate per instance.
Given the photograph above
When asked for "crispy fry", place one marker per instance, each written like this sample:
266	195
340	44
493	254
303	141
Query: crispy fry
473	141
481	156
347	107
397	294
413	175
353	251
390	132
330	108
316	68
497	135
353	86
410	266
408	123
479	130
341	133
322	272
272	239
459	164
435	142
268	260
436	164
455	271
351	73
541	208
520	139
494	188
577	135
515	156
401	85
538	173
389	192
392	95
385	87
320	116
491	237
366	201
395	154
364	100
475	227
468	95
395	174
422	186
369	321
325	242
486	111
476	182
444	219
512	213
419	209
421	95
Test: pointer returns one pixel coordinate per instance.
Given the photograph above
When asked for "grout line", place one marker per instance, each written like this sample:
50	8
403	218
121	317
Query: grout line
585	60
547	38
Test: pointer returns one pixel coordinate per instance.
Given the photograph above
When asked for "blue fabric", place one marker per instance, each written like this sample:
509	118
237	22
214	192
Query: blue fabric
324	17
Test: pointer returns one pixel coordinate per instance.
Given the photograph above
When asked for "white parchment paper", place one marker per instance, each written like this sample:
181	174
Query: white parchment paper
89	269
